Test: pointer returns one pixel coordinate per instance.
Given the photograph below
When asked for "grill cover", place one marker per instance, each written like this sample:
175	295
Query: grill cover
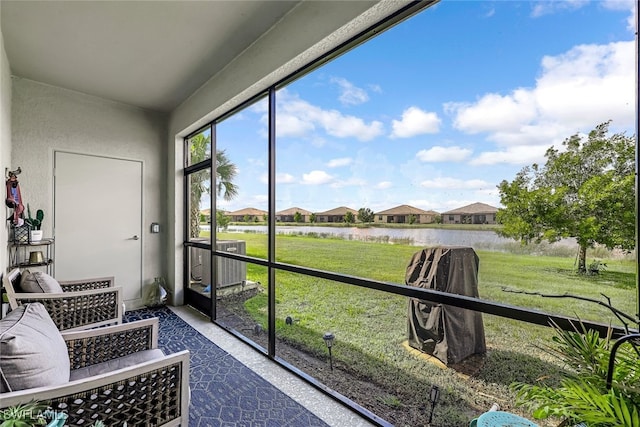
449	333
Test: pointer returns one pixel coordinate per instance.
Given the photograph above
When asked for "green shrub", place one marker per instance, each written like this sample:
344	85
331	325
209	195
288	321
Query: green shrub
582	395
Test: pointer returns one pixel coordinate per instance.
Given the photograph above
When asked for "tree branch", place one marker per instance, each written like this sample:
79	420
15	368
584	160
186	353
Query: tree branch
618	313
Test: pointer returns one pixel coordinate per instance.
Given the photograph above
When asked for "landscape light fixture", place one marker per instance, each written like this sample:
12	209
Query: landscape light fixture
257	329
328	340
434	394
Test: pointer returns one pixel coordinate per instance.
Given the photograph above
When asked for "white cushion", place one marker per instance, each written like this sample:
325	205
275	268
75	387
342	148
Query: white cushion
34	353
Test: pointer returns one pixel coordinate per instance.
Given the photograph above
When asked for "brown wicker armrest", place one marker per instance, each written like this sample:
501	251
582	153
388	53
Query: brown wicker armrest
99	345
85	284
154	393
77	310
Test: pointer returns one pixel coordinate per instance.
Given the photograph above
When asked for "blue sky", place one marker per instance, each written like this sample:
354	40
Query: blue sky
439	109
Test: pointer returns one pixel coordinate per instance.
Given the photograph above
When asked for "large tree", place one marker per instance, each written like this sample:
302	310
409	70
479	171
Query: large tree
200	182
585	191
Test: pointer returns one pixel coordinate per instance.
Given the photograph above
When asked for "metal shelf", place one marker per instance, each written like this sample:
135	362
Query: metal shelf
19	254
43	242
29	264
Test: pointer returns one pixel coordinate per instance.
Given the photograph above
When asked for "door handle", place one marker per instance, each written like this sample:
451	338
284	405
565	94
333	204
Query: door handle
135	237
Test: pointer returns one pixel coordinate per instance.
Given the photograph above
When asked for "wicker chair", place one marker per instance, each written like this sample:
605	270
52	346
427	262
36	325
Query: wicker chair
150	393
83	304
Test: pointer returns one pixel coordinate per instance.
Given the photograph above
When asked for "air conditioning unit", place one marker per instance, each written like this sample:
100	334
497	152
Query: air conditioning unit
231	271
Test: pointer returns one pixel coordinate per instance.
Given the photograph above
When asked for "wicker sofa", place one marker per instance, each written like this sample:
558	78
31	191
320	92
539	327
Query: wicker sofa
72	305
114	374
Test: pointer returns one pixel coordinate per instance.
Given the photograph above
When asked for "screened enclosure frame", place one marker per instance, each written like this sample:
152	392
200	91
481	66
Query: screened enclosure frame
273	266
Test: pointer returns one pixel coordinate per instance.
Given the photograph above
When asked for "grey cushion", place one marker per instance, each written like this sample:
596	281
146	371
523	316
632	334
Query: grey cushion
115	364
39	281
34	353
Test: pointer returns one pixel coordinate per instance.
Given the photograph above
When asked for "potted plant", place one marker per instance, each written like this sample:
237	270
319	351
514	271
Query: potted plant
35	224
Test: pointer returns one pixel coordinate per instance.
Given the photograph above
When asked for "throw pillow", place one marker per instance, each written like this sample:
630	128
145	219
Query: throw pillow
34	353
39	281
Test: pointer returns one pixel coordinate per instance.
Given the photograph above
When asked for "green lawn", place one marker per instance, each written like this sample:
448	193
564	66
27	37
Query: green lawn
370	325
498	270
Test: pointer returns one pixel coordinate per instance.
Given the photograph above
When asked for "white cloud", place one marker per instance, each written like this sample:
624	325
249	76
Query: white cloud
543	133
517	155
284	178
383	185
576	90
629	5
341	126
415	122
618	4
281	178
443	154
343	161
494	111
299	118
589	84
316	178
454	183
541	8
291	125
349	93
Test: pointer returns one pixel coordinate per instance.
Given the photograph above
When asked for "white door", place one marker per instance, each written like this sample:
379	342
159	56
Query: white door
98	220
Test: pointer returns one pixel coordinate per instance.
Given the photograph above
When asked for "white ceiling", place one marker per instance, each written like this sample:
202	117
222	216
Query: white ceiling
152	54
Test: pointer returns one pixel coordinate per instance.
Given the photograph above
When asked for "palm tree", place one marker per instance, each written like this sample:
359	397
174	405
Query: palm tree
225	173
200	182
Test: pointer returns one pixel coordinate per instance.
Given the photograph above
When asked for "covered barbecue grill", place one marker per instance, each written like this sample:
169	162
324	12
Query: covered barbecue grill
449	333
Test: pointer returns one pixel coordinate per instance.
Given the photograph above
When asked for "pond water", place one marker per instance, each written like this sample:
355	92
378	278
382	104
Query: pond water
413	236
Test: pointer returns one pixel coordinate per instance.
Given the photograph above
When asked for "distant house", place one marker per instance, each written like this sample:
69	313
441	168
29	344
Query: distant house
475	213
335	215
247	215
289	215
404	214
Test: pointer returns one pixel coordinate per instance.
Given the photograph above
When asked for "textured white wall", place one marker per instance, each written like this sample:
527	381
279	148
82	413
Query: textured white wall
48	118
5	145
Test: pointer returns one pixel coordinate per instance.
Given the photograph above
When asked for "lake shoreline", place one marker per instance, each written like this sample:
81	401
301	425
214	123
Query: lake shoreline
486	239
481	227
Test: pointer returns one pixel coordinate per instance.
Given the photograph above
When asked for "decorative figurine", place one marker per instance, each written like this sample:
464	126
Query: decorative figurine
14	198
